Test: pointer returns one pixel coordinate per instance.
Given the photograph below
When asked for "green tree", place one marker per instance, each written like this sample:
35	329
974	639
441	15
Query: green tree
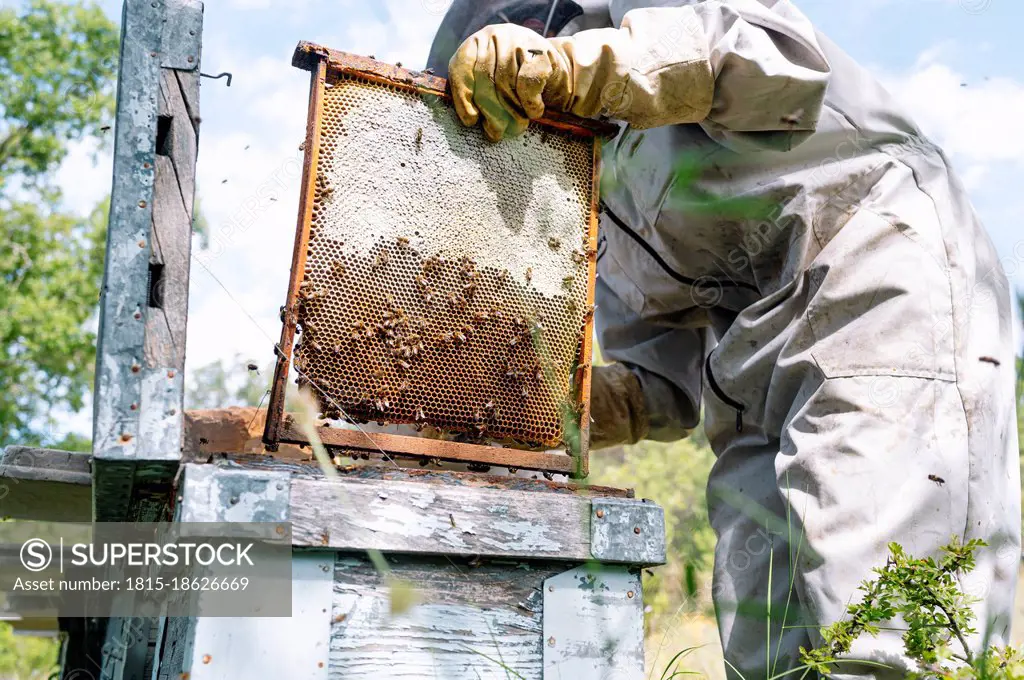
51	271
57	67
24	657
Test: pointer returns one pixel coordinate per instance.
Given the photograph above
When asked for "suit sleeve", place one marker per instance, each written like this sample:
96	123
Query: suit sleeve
666	361
740	67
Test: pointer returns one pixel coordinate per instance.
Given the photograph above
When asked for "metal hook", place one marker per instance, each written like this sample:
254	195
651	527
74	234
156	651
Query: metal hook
204	75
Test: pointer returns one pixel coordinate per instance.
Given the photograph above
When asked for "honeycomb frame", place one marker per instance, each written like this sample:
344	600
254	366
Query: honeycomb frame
379	323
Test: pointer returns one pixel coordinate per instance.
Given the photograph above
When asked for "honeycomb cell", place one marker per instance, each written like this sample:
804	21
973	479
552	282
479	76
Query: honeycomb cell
446	277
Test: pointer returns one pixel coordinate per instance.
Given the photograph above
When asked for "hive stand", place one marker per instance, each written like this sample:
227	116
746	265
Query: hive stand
499	577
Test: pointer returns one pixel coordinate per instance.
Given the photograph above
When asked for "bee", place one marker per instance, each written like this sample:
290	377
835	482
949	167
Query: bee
513	375
338	268
381	404
568	281
382	259
428	297
481	316
404	365
503	277
571	305
431	263
445	339
489	407
253	368
579	257
525	392
421	280
469	289
513	341
336	350
468	329
460	337
419	138
588	313
554	243
358	326
403	242
420	415
404	387
529	274
378	373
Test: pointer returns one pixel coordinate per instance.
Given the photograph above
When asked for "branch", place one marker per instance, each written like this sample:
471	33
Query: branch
14	137
952	625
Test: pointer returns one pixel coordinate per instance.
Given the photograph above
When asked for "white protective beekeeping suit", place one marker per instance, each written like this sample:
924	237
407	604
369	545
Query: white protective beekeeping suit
781	244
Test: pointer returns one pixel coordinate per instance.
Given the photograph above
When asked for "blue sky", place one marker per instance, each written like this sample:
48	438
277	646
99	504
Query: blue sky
958	65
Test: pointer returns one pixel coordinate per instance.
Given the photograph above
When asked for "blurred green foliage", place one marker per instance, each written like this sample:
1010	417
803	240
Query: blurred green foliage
57	67
23	657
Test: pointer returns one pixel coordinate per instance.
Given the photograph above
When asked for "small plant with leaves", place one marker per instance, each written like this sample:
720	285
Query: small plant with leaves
924	594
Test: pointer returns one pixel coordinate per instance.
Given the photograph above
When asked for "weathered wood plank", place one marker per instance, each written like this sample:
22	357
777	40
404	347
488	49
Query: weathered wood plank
45	485
469	623
386	471
413	517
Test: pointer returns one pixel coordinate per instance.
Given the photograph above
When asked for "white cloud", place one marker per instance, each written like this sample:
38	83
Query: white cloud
978	121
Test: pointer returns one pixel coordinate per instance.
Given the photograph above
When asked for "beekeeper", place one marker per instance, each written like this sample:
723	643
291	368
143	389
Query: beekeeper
780	243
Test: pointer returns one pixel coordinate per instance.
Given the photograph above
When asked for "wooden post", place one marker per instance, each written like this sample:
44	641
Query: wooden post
141	347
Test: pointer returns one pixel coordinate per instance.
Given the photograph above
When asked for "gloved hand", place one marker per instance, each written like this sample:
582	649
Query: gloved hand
653	71
617	408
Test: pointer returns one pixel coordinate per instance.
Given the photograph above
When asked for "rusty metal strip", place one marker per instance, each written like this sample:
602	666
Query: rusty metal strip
308	55
419	447
275	407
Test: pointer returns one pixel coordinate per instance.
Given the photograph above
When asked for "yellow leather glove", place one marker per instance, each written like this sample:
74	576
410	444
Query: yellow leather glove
618	411
653	71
